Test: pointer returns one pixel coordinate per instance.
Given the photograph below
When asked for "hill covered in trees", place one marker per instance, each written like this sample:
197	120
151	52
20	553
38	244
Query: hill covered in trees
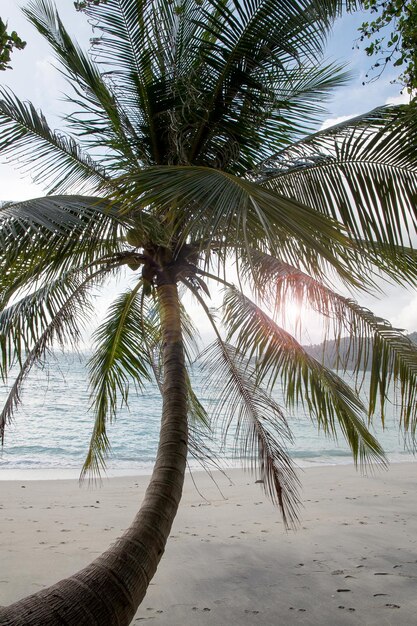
342	354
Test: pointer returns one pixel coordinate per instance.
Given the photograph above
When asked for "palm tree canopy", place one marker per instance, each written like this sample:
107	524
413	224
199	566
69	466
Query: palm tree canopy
190	148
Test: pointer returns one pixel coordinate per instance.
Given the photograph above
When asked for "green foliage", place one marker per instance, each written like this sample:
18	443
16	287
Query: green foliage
257	422
329	400
392	38
81	5
8	42
190	147
120	356
353	160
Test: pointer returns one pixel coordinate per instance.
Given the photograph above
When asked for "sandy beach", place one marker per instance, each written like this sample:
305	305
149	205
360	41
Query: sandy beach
229	560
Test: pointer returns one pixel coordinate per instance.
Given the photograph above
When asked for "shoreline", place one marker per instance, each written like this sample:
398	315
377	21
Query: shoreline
73	473
229	561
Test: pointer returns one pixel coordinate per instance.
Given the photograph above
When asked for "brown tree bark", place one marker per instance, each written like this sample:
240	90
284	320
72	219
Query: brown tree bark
109	590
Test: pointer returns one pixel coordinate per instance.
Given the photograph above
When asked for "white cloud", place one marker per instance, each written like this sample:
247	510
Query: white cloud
46	75
14	186
407	317
332	121
403	98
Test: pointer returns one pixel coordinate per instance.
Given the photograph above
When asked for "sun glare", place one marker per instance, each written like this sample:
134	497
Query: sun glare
301	321
291	315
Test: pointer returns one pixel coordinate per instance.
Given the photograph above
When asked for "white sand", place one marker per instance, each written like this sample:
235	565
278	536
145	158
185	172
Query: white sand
229	562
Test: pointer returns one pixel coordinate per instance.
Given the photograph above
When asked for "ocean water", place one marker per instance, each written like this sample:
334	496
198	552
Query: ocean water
52	427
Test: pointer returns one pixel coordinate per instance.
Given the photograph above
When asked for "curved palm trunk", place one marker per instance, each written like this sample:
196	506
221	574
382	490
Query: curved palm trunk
109	590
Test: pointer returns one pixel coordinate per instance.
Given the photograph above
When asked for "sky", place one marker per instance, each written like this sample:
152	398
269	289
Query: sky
34	78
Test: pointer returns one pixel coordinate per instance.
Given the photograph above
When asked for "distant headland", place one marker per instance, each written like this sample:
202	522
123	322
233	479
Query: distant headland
342	354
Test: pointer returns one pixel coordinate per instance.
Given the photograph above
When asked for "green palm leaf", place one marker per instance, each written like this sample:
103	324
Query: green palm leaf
53	159
218	206
362	173
257	423
23	323
120	359
212	83
240	41
329	400
373	343
31	327
42	237
103	120
138	38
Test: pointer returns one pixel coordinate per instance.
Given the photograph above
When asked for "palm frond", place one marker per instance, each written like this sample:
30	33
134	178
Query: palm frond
30	328
103	120
41	237
140	40
200	431
120	359
373	343
241	41
23	323
260	428
257	423
395	264
273	108
264	271
362	173
191	335
224	208
199	422
329	400
69	215
52	159
217	82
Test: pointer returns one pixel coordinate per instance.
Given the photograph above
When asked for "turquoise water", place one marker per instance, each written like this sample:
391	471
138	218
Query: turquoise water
52	427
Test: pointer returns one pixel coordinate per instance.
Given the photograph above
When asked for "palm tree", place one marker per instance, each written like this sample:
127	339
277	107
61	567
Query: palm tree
189	150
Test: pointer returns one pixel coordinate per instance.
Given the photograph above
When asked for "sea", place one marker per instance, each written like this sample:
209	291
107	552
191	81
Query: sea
50	432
